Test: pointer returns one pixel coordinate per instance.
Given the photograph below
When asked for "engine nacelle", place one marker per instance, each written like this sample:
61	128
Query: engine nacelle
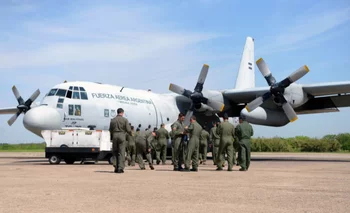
266	117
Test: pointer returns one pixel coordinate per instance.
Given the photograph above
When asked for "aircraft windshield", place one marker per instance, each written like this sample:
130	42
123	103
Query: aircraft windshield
75	92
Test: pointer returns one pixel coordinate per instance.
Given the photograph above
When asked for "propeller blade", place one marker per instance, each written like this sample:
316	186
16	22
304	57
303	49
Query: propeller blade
179	90
299	73
17	95
216	105
13	118
265	71
257	102
289	111
35	95
201	78
188	117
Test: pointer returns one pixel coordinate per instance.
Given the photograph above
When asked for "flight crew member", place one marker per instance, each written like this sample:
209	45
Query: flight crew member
172	146
154	146
195	131
143	147
131	147
227	132
178	129
215	141
244	131
203	146
119	127
162	137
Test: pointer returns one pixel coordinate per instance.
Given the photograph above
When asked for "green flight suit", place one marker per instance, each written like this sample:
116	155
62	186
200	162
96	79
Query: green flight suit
162	136
131	149
154	149
195	131
244	132
227	133
119	127
172	147
178	129
203	147
143	144
215	141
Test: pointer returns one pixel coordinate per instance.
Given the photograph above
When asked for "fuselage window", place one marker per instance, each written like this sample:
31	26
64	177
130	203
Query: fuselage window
250	68
69	94
61	92
76	95
74	110
52	92
61	100
83	95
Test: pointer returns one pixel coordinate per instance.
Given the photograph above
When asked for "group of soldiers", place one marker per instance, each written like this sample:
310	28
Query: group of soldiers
189	144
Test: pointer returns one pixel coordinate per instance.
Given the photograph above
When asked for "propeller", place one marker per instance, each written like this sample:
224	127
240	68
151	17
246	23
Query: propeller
196	96
277	89
22	106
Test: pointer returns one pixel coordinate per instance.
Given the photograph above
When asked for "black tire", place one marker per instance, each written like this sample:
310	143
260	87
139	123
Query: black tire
69	161
54	159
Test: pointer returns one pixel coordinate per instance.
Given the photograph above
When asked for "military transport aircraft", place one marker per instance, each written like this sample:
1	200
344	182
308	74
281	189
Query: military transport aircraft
92	105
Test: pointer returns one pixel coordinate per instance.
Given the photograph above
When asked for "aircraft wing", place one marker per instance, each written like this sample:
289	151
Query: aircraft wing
324	97
11	110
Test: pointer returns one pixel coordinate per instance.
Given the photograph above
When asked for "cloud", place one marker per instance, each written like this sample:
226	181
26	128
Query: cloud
306	30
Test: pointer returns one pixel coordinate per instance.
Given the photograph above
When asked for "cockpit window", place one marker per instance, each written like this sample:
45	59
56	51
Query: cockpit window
83	95
76	95
61	92
69	94
52	92
70	88
82	89
76	88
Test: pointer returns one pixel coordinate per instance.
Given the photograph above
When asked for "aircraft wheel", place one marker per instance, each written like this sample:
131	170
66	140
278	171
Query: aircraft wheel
69	161
54	159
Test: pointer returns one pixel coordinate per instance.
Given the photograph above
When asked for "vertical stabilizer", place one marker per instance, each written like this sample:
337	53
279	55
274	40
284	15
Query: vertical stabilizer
246	72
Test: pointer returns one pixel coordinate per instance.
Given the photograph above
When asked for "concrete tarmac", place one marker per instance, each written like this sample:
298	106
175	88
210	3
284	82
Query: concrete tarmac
28	183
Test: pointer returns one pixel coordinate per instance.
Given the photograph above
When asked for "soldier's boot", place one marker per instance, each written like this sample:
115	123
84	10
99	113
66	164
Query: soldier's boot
200	162
242	169
151	166
158	162
185	170
219	169
194	170
120	171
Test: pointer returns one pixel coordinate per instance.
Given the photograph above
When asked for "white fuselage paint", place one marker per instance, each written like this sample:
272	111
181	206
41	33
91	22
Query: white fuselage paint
141	107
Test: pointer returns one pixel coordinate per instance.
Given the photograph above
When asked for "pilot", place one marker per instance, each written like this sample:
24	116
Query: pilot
215	141
119	127
143	147
178	128
162	137
244	131
203	146
195	131
227	132
131	147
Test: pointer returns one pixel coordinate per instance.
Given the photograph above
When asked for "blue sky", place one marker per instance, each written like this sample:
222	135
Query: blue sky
148	44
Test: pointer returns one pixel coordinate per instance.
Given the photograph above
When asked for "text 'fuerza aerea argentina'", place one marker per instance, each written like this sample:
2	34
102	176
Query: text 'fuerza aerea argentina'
120	97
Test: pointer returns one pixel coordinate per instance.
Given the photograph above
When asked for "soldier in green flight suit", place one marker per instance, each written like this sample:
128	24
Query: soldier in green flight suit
143	147
203	146
131	147
178	129
155	146
227	132
118	128
215	141
162	137
172	146
244	131
195	131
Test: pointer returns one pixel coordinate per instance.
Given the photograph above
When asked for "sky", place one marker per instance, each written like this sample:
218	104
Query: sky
149	44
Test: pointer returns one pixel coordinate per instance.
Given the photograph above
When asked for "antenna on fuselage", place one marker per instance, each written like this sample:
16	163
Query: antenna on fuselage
121	89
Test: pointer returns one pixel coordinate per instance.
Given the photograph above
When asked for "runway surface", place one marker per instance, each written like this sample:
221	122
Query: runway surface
274	183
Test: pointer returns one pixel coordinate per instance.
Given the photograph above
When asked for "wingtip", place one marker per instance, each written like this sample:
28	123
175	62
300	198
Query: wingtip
247	108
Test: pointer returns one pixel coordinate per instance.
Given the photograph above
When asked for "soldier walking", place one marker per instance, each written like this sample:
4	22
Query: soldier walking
178	129
162	136
143	147
119	127
131	147
215	141
227	133
203	146
193	145
244	132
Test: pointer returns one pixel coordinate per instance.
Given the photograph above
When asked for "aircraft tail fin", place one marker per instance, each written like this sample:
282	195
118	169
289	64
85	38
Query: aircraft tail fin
246	73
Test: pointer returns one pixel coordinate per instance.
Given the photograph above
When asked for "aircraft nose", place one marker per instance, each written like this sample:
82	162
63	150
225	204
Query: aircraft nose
42	118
